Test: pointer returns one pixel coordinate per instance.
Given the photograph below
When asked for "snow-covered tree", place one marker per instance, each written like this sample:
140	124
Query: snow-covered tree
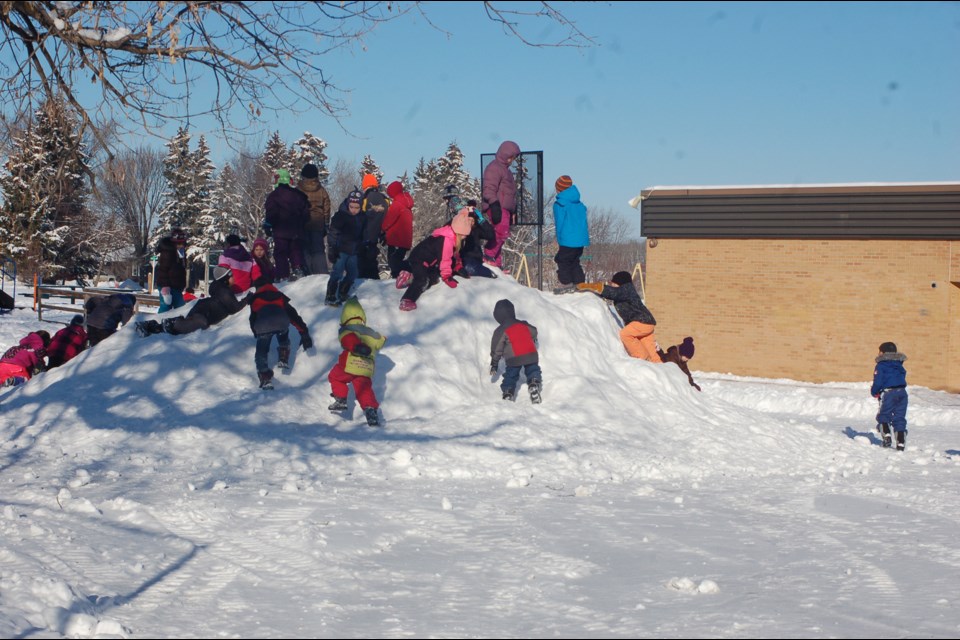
204	217
310	150
226	203
369	165
278	155
45	223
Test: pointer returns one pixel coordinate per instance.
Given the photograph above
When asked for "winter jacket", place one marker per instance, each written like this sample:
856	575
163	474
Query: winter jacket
287	212
570	218
353	333
673	355
241	263
889	373
472	248
439	251
28	354
66	344
171	271
514	340
499	184
109	312
398	223
628	304
346	233
319	201
219	304
262	267
271	311
374	208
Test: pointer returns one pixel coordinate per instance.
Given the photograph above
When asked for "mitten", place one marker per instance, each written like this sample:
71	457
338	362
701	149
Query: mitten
362	350
450	282
596	287
493	368
495	212
166	295
306	341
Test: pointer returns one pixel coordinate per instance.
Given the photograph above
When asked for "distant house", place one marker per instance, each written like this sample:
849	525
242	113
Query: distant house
805	282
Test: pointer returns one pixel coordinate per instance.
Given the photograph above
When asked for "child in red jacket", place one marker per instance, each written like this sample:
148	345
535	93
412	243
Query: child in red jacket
398	230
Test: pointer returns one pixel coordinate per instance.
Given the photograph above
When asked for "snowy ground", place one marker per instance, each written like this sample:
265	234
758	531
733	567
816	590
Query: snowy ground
149	489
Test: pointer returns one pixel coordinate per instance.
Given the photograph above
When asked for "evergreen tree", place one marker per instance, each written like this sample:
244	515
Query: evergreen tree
177	195
203	216
45	223
278	155
310	150
369	165
450	171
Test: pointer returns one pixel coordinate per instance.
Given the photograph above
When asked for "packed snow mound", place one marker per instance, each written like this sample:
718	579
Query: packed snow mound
605	417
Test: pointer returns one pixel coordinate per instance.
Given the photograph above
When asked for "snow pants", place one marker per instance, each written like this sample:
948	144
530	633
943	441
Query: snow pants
362	387
638	340
893	409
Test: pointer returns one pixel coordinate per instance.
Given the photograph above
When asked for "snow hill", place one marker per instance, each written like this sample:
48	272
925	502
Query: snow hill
151	489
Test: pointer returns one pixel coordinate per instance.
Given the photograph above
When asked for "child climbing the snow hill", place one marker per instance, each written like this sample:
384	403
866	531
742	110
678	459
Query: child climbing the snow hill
516	342
356	364
271	315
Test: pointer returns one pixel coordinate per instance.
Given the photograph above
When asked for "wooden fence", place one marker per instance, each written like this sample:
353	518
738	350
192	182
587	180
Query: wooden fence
78	298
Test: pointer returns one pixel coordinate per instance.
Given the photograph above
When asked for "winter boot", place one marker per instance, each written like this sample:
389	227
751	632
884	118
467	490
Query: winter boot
885	432
407	305
404	279
373	420
168	326
339	404
283	353
266	379
509	394
901	440
331	299
343	290
148	328
534	387
296	274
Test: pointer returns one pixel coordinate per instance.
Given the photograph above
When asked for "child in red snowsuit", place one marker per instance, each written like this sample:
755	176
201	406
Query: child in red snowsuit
356	364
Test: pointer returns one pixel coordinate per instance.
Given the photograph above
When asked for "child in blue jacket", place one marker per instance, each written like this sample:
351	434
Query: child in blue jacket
570	218
890	388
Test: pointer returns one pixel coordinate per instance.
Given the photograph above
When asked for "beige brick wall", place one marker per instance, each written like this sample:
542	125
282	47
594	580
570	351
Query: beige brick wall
809	309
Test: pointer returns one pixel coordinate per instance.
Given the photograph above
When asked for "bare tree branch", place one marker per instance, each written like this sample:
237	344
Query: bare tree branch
143	58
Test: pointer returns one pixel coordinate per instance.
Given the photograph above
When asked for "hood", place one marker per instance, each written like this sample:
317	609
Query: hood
32	341
352	313
890	357
504	312
569	195
508	149
309	184
394	189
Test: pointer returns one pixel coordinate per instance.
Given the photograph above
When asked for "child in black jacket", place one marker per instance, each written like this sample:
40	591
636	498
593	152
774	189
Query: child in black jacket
271	314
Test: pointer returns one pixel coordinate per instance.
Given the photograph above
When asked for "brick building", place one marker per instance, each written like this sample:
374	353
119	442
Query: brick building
804	282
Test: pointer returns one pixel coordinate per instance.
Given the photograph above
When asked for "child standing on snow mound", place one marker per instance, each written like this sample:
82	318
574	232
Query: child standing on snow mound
573	234
271	315
890	388
356	364
638	322
516	342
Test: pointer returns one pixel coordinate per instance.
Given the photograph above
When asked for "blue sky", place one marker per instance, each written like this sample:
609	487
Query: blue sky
678	93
